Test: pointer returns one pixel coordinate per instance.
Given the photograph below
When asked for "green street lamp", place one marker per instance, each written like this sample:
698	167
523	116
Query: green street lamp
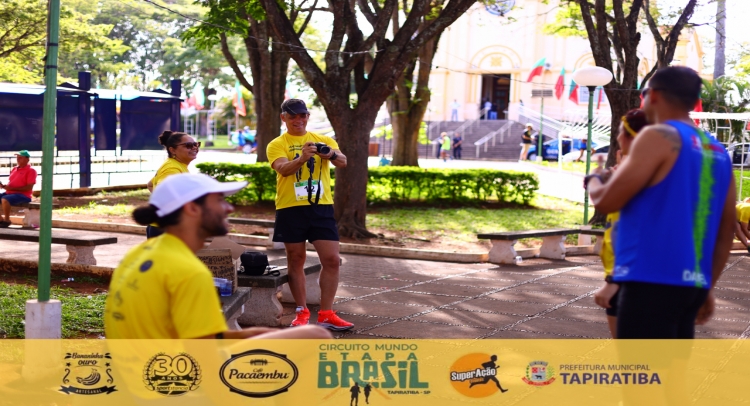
591	77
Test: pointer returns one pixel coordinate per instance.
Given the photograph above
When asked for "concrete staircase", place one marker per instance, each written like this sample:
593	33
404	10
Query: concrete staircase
506	145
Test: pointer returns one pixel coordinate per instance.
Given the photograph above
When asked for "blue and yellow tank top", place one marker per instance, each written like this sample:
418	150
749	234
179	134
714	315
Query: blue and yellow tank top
668	231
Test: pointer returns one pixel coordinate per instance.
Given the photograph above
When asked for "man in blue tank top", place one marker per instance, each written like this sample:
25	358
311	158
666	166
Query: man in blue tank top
676	196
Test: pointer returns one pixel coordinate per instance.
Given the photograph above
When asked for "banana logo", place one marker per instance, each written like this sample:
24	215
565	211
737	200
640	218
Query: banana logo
90	380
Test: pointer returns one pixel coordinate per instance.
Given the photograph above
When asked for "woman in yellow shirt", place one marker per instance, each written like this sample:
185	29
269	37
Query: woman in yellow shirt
181	150
606	297
743	217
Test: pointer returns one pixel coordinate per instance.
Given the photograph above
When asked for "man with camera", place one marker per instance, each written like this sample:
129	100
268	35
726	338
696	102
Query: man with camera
304	209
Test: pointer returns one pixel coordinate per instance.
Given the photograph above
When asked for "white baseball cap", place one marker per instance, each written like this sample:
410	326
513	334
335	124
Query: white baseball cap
177	190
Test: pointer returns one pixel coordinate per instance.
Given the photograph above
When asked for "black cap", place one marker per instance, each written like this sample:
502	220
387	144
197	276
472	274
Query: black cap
294	106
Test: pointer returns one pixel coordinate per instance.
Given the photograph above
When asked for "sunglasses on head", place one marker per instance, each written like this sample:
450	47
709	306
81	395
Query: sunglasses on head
190	145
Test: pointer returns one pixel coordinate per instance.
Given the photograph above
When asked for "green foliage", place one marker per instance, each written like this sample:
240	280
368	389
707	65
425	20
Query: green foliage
726	95
568	22
395	184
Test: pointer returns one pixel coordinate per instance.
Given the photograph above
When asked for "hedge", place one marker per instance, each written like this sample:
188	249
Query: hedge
396	184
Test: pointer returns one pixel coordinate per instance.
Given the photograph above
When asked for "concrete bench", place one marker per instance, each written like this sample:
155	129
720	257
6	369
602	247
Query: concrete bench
233	306
263	307
553	247
31	217
268	224
80	245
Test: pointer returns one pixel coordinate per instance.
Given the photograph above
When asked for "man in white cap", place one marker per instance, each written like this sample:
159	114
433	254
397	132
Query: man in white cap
526	142
161	290
18	189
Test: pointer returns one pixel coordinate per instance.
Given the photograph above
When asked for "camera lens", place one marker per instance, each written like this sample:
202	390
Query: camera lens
324	149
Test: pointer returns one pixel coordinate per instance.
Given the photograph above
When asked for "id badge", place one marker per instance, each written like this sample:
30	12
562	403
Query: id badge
300	189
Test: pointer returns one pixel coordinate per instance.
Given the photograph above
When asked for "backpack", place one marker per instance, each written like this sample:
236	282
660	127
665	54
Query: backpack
254	263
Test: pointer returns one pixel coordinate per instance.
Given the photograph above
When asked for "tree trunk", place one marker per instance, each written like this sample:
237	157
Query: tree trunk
407	112
350	192
721	41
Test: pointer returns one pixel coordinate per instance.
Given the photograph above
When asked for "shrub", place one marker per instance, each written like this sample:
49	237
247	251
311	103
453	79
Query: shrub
396	184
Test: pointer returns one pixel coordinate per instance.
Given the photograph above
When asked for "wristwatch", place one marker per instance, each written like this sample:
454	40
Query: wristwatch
609	279
589	177
333	157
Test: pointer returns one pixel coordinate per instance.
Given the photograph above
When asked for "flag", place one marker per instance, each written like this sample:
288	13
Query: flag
198	95
698	108
239	101
560	85
573	96
537	69
599	103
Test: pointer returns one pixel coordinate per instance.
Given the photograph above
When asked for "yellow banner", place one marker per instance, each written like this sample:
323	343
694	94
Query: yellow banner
373	372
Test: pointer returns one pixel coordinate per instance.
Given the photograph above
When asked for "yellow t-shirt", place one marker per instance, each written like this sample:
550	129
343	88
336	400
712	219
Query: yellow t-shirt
170	167
161	290
607	253
291	190
743	212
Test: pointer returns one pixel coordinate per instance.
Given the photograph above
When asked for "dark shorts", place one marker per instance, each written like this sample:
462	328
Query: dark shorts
650	310
305	223
612	311
15	199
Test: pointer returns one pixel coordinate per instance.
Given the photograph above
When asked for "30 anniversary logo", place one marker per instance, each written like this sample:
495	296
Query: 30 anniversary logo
172	376
258	373
87	374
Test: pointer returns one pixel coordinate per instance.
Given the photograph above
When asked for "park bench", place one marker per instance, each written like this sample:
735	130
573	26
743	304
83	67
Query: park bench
233	306
268	224
80	246
264	306
553	247
31	217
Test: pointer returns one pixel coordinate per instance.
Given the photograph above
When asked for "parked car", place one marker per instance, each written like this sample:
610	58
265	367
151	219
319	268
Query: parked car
596	152
570	150
736	152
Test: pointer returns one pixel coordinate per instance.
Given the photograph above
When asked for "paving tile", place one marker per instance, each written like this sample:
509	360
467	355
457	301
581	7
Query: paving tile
354	291
412	329
480	282
377	308
447	287
518	295
465	318
417	298
500	306
565	328
578	314
514	335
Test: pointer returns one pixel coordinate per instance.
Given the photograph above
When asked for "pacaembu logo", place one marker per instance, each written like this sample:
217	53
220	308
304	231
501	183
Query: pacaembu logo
258	373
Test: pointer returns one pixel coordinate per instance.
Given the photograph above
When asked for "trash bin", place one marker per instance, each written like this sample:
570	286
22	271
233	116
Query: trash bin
374	149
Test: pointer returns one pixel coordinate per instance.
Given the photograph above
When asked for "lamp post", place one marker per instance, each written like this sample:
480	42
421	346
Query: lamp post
591	77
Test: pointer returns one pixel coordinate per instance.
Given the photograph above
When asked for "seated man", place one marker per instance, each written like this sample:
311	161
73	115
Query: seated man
20	183
161	290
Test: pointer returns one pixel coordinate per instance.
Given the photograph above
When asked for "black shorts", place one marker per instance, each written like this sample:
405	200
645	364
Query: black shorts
650	310
612	311
305	223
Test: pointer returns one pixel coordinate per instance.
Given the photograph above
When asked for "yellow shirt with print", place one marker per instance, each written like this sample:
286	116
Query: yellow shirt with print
743	212
161	290
170	167
290	147
607	253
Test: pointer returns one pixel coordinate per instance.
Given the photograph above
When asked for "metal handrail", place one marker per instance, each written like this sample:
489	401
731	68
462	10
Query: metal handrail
461	129
493	135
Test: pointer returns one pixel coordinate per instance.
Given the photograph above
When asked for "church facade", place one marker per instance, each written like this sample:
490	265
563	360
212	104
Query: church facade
488	53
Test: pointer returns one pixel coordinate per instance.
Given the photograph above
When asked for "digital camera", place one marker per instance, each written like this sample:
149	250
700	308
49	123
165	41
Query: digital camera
322	148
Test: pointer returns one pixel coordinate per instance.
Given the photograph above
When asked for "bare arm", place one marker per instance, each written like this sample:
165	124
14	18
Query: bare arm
19	189
150	185
652	156
285	167
339	162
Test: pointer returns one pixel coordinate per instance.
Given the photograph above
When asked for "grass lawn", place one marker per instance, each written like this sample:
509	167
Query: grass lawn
220	142
579	167
81	314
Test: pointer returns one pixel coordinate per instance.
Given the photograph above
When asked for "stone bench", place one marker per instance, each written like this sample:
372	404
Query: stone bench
268	224
553	247
263	307
31	217
233	306
80	245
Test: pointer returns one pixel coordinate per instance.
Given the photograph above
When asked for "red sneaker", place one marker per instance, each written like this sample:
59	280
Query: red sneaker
303	317
331	321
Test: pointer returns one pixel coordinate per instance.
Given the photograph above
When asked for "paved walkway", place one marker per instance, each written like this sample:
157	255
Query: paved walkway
397	298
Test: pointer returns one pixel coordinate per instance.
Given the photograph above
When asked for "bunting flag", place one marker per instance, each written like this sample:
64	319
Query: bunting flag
573	95
560	85
537	69
599	103
239	101
698	108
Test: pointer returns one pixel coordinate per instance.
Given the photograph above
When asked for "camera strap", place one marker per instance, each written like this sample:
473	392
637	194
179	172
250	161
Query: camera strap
311	167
